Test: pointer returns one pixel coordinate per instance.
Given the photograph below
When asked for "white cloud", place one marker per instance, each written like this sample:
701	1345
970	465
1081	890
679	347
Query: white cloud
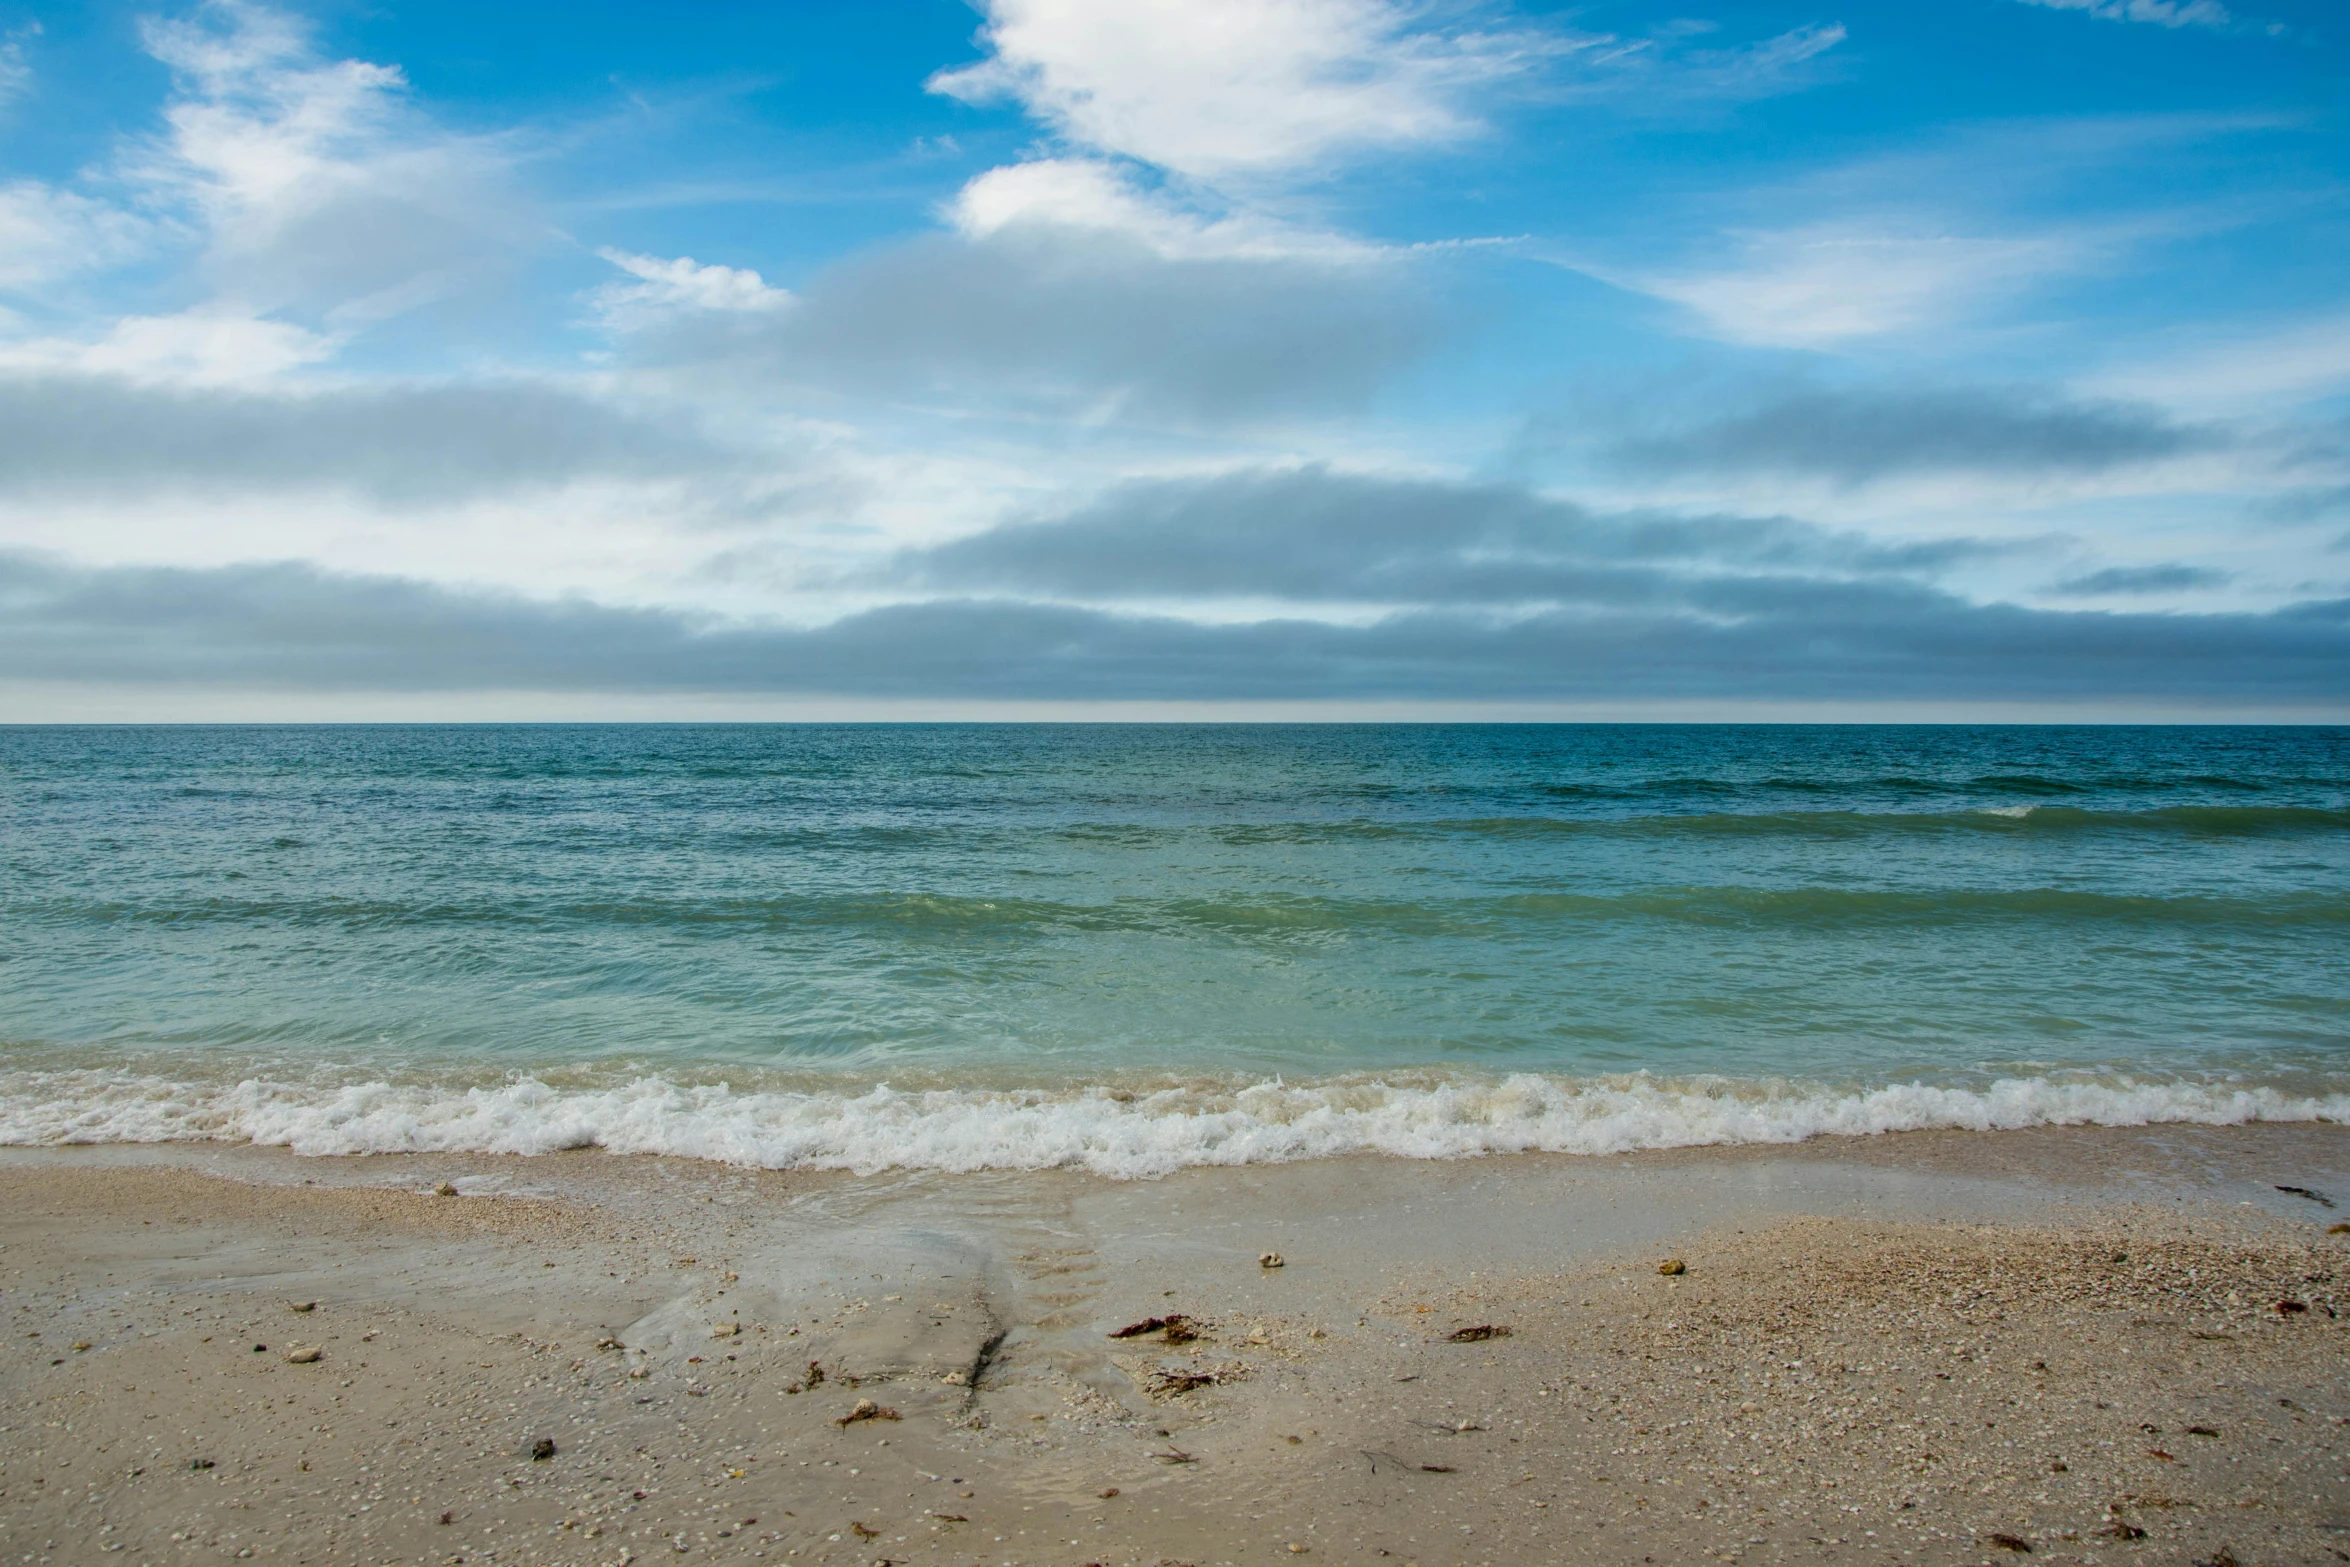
2162	13
1218	89
304	198
1829	284
1090	194
1185	125
665	289
315	185
200	347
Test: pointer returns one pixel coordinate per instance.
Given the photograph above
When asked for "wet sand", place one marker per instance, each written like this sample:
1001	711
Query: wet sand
2069	1345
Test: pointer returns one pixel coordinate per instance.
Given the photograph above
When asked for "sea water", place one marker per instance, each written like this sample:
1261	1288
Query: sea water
1133	948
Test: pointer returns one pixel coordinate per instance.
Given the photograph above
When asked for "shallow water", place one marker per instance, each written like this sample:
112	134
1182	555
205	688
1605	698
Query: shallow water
1137	947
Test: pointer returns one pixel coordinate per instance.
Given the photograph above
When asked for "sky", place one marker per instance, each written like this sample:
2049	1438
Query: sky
1873	359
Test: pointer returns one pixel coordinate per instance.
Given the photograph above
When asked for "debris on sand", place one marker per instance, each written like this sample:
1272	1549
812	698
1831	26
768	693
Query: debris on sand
2009	1542
2320	1198
1153	1325
542	1449
1175	1384
1672	1267
1175	1455
304	1355
866	1409
1270	1259
445	1189
301	1305
1478	1334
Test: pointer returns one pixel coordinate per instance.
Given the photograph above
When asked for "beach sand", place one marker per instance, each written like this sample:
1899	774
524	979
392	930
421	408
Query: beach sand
2087	1345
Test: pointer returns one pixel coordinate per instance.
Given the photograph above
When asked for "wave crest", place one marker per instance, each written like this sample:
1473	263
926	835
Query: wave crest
1115	1132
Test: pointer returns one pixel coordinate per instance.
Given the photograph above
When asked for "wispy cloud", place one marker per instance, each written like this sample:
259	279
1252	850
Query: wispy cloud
2258	364
16	67
1828	284
2162	13
48	235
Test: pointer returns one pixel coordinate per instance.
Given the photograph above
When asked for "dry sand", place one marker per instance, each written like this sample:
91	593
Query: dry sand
2098	1346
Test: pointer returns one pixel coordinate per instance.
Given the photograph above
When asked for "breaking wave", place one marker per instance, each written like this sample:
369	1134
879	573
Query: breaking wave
1122	1132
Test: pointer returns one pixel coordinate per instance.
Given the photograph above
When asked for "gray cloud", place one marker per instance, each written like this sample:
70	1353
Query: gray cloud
1313	535
1855	437
2168	578
1066	318
403	445
2309	505
295	628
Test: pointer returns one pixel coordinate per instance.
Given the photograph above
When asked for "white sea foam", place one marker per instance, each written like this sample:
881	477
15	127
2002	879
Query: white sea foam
1112	1132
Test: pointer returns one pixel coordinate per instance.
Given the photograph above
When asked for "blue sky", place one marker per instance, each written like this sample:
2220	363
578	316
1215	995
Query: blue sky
1136	357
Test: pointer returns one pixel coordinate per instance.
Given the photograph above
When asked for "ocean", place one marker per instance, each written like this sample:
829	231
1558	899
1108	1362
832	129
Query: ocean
1132	948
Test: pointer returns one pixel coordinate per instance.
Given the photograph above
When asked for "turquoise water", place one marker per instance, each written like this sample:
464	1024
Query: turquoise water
1139	946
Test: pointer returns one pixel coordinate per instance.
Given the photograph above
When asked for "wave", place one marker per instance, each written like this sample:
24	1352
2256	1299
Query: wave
1118	1132
2214	821
1268	915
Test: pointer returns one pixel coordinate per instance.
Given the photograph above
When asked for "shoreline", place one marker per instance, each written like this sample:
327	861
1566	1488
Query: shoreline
1859	1320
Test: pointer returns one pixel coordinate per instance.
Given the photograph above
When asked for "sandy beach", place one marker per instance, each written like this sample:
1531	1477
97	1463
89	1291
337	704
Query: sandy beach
2073	1345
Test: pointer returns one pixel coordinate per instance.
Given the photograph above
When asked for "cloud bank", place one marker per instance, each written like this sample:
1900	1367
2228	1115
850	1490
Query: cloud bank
298	629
